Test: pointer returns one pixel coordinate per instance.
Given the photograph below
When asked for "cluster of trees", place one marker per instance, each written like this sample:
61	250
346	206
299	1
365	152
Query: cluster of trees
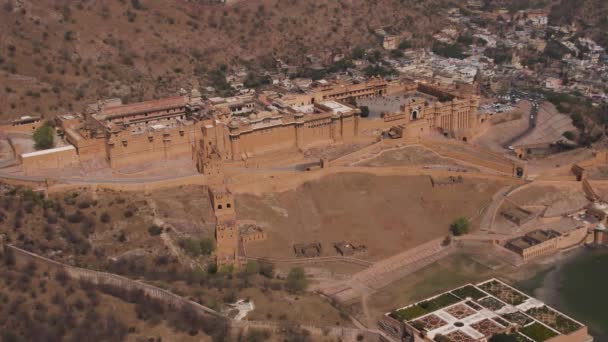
197	248
460	226
449	50
585	117
40	307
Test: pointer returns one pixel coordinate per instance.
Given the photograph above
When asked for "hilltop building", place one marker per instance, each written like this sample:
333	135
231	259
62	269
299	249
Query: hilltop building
120	135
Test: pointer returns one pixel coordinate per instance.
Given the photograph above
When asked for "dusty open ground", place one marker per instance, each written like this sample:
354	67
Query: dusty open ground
411	156
550	127
554	198
505	126
388	214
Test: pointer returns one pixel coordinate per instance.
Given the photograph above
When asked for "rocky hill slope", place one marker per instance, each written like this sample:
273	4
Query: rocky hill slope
56	56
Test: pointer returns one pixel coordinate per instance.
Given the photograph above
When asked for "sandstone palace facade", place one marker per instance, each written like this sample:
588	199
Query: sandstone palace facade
239	128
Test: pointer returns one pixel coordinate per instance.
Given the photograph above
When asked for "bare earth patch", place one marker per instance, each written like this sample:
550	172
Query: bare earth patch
409	156
387	214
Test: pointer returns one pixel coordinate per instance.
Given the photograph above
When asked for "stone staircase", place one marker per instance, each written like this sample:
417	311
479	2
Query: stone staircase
388	270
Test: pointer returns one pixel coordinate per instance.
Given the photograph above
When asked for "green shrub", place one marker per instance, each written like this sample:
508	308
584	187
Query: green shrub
569	135
409	313
364	111
460	226
44	137
538	332
198	247
296	280
468	291
155	230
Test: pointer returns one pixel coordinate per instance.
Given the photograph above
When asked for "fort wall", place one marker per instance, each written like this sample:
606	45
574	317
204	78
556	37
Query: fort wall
54	158
102	278
23	125
125	148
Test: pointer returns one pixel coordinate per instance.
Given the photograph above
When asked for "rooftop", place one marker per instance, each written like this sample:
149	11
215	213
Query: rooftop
336	107
141	107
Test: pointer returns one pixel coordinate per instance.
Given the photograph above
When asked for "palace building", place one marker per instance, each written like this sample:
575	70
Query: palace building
245	126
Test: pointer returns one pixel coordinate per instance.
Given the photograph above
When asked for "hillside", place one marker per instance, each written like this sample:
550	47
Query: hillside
590	16
56	56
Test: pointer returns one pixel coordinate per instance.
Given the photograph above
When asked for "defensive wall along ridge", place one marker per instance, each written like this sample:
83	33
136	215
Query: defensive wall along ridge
58	185
103	278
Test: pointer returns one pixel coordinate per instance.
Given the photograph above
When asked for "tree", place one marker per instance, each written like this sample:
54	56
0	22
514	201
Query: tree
296	280
105	217
191	247
396	53
404	45
364	111
251	267
155	230
569	135
266	268
207	246
358	53
460	226
44	137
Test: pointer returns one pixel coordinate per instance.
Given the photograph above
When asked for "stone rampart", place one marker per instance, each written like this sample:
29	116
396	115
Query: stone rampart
103	278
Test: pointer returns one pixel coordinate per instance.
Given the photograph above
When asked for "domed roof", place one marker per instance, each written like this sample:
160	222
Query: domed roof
252	116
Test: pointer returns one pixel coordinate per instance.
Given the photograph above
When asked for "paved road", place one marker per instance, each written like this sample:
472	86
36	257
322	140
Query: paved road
387	271
536	102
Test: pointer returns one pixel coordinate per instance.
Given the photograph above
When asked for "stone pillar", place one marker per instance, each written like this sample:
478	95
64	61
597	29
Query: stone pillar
235	146
598	236
336	128
299	117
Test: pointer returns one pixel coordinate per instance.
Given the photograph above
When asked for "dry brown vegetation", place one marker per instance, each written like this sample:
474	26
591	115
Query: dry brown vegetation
57	55
38	305
110	231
